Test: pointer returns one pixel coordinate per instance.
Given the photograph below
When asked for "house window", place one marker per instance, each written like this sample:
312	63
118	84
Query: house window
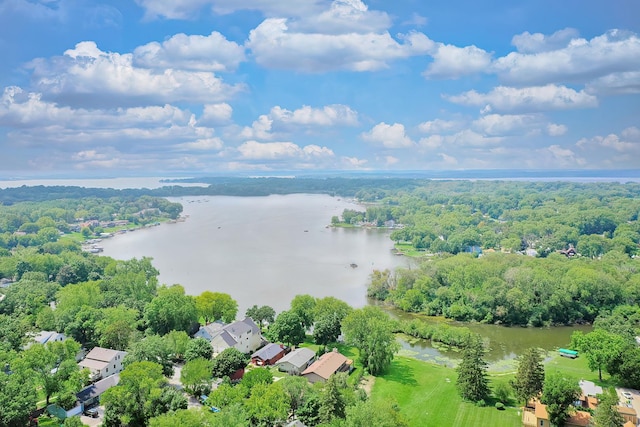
541	423
107	369
114	366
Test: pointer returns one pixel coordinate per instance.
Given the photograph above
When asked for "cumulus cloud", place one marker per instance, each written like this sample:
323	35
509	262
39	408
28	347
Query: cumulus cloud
330	115
614	142
204	144
343	17
554	129
452	62
527	99
273	45
213	114
626	83
254	150
506	124
439	126
87	76
580	60
201	53
388	136
538	42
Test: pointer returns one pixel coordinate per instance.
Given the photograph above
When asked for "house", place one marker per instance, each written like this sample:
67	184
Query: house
44	337
244	335
296	361
90	395
628	414
327	365
535	413
269	354
103	362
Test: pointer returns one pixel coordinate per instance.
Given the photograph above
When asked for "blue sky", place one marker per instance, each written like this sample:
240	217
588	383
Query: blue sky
218	86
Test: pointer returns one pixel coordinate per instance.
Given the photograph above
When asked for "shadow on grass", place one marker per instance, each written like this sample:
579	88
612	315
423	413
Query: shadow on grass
401	373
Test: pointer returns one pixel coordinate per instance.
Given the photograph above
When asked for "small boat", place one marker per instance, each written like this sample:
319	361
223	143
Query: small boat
354	265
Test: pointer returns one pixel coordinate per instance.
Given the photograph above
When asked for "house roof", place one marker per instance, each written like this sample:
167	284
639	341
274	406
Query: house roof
298	357
210	330
227	338
541	411
578	418
103	354
233	330
589	388
628	424
326	365
241	327
98	388
267	352
626	411
96	365
44	337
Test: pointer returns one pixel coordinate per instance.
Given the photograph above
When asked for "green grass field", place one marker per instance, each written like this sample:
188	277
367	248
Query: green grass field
427	396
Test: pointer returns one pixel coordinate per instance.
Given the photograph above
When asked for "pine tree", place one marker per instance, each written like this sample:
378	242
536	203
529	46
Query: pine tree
529	379
472	380
606	415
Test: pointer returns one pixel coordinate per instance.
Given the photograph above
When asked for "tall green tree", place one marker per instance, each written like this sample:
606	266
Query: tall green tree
153	348
267	405
18	398
228	362
198	348
304	306
332	401
170	310
369	329
472	383
606	414
261	314
287	328
216	306
558	394
600	347
196	376
529	378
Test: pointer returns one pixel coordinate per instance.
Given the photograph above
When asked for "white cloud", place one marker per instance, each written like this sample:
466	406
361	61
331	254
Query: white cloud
439	126
201	53
214	114
254	150
538	42
343	17
260	129
273	45
556	130
88	76
625	83
330	115
390	160
353	162
205	144
613	142
580	60
389	136
528	99
452	62
507	124
556	156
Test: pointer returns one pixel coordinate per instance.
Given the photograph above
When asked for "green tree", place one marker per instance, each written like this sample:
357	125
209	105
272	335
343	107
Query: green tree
184	418
172	309
304	306
558	394
327	329
198	348
332	401
228	362
331	305
196	376
600	347
267	405
298	390
529	378
257	376
369	330
287	328
606	414
261	314
17	399
216	306
117	326
177	343
227	395
73	422
151	349
472	383
382	413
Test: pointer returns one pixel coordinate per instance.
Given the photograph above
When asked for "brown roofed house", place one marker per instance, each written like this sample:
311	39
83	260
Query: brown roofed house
327	365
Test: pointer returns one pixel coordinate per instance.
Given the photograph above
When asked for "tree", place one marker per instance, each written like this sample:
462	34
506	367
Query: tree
261	314
327	329
298	390
529	379
170	310
216	306
369	330
198	348
17	399
73	422
117	326
472	383
558	394
382	413
332	402
257	376
196	376
600	347
304	306
227	395
331	305
606	414
177	343
287	328
151	349
131	401
228	362
267	405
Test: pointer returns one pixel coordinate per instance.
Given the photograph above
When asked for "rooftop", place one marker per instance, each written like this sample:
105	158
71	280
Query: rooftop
326	365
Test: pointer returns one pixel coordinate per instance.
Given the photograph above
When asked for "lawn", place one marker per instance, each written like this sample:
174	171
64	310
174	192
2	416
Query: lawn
427	396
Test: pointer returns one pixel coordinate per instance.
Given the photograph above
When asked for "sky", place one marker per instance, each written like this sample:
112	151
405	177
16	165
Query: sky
264	86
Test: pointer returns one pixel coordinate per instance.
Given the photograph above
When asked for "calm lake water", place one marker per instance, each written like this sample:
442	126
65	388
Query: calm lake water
266	250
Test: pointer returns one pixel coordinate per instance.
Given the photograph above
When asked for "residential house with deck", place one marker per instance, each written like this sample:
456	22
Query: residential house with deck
103	362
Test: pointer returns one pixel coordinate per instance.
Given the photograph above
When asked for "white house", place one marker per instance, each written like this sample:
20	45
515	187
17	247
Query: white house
44	337
296	361
244	335
103	362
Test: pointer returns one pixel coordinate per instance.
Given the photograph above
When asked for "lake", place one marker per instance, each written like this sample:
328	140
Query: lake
266	250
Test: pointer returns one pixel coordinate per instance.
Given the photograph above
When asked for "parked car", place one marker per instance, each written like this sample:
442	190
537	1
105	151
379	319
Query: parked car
627	395
92	412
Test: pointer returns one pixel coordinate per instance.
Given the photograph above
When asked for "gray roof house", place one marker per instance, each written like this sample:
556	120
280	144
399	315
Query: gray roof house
90	395
244	335
44	337
269	354
296	361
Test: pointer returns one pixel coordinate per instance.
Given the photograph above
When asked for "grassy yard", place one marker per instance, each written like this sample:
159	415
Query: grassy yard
427	396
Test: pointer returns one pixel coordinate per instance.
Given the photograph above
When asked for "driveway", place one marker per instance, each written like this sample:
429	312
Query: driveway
93	422
634	402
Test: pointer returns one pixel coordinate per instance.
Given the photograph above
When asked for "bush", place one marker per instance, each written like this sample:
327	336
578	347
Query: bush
499	406
481	403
